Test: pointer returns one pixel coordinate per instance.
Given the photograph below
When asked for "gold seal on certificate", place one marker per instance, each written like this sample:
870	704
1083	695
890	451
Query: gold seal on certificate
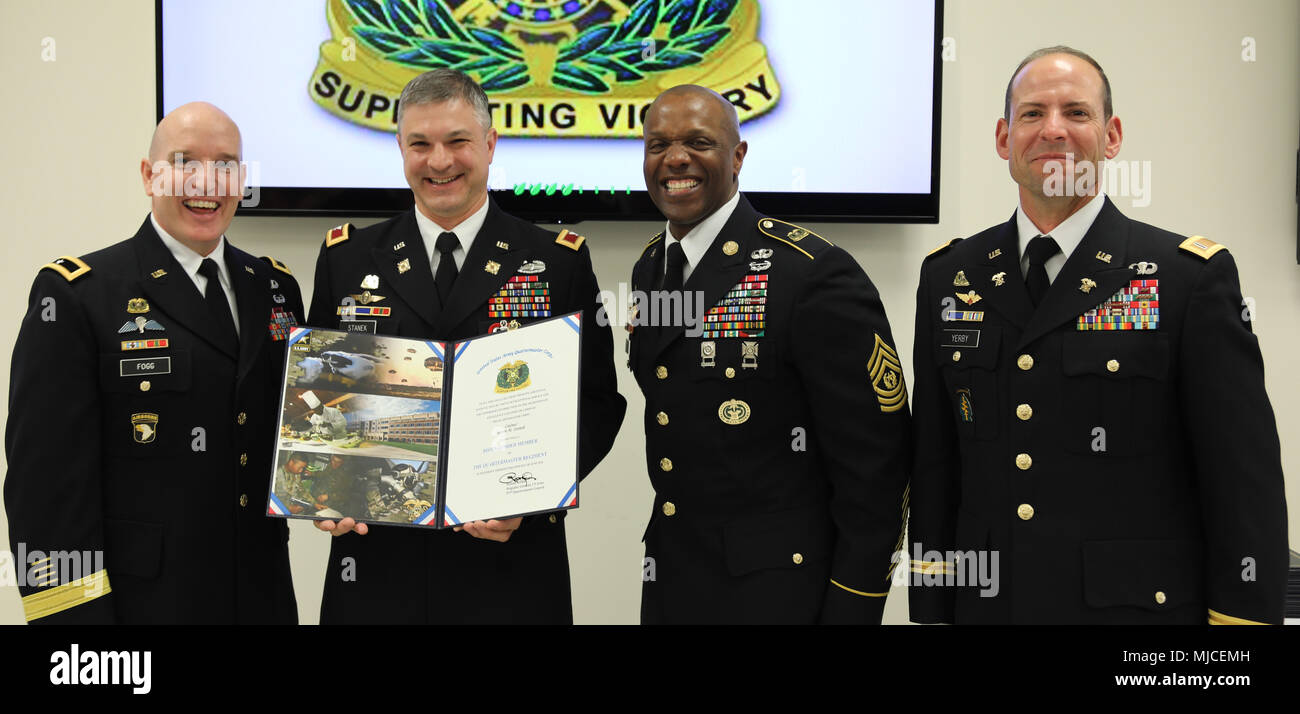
368	429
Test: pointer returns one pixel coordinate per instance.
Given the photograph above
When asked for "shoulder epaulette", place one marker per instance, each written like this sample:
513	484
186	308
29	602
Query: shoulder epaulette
572	241
792	235
1202	246
337	235
654	240
69	267
943	247
277	265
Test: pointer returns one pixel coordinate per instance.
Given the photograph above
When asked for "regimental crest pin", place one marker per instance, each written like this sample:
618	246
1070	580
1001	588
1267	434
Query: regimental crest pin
491	267
371	282
144	427
969	298
137	306
275	285
1086	285
734	412
999	278
250	270
886	374
960	280
402	266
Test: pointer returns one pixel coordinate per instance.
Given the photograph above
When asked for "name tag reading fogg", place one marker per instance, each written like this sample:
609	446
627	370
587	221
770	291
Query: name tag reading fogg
960	338
362	326
143	366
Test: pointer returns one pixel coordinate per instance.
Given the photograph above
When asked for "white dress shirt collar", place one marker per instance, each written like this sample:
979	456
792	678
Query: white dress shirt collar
1068	235
190	262
696	243
466	231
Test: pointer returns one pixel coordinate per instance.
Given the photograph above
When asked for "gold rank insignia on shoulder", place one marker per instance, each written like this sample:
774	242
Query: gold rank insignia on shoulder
277	265
572	241
337	234
787	233
137	306
886	374
69	267
960	280
1201	246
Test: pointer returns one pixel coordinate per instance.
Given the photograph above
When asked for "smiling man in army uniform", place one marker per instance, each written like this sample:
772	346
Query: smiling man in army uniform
1089	400
162	356
456	266
776	431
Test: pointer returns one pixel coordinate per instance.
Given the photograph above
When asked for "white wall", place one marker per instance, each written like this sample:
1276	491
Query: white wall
1220	134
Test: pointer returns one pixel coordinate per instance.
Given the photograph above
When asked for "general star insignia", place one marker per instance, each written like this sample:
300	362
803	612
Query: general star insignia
1086	285
969	298
999	278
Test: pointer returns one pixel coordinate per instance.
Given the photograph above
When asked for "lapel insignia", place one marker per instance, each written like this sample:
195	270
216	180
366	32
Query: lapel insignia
760	266
140	325
157	273
402	266
886	374
761	254
144	427
250	270
995	254
503	245
399	246
708	353
999	278
733	412
1086	285
960	280
1144	268
969	298
730	247
137	306
1103	257
367	297
371	282
275	285
492	267
532	267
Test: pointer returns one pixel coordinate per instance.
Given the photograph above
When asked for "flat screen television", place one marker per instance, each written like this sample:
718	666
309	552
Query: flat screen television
838	99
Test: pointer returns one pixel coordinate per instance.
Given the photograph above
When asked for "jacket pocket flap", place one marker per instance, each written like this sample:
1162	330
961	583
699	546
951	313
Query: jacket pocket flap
1151	574
786	539
1117	355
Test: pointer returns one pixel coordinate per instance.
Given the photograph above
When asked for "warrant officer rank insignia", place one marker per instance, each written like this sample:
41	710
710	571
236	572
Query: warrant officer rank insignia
887	377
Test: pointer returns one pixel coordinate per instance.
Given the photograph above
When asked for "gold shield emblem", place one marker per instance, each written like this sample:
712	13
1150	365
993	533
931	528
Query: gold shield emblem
733	412
144	427
887	377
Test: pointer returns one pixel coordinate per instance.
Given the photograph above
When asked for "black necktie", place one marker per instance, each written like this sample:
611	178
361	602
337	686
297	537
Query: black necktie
215	297
446	276
676	262
1038	251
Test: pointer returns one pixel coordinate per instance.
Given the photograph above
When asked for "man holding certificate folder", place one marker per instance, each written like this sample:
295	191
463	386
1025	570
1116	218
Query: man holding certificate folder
435	272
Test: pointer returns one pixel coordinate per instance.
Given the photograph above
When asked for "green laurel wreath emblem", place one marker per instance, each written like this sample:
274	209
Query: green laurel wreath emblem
423	34
630	51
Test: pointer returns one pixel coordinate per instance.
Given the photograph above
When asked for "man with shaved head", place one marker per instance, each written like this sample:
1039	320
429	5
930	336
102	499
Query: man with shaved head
1092	429
777	427
149	372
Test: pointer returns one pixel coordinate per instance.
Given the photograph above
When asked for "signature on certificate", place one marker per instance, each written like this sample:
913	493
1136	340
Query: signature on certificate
514	478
